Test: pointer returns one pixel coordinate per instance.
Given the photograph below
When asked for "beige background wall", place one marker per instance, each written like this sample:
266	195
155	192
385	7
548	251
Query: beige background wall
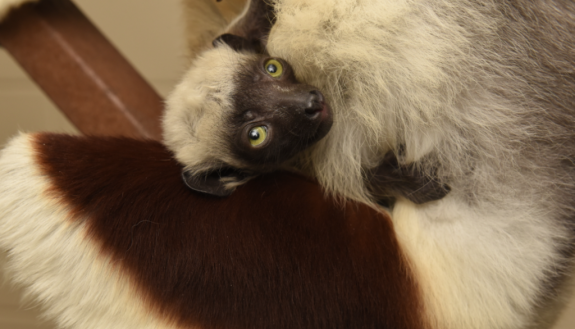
150	35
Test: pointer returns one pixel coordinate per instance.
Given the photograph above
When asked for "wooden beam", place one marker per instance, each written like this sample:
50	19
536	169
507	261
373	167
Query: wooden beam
81	71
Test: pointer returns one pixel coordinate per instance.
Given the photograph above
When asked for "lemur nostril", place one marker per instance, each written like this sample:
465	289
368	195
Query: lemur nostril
315	103
316	96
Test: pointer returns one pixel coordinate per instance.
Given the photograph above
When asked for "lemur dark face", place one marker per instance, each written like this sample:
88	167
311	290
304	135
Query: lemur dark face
275	116
239	113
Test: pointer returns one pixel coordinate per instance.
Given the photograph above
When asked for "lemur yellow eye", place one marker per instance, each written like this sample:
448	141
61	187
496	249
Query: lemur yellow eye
274	68
258	135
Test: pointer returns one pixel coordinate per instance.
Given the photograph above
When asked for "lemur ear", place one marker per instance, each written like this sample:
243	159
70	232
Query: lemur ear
256	22
219	182
237	43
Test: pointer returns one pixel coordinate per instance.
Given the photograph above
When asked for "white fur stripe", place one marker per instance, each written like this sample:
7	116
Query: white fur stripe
52	256
477	270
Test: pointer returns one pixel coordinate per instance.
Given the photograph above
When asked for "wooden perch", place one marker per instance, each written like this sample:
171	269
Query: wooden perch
81	71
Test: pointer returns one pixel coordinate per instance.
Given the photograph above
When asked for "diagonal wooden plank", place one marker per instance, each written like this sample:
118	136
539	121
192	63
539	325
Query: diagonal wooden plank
81	71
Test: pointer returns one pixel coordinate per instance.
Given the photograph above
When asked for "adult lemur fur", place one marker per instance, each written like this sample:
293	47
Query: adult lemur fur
478	94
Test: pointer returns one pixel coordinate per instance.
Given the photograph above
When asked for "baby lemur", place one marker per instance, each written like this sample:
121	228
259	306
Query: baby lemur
226	131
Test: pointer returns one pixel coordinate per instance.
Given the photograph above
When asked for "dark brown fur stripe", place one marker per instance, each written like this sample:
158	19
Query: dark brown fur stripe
275	254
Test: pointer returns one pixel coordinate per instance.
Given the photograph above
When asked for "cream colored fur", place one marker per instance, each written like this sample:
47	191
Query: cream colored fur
196	111
476	269
52	256
468	89
7	5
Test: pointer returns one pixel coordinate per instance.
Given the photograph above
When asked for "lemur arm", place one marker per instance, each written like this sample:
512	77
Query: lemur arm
391	178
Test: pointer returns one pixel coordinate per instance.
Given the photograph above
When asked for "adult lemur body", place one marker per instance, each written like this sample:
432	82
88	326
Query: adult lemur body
477	94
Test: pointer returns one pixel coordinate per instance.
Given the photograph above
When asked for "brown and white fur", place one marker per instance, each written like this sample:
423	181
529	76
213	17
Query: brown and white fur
478	94
106	235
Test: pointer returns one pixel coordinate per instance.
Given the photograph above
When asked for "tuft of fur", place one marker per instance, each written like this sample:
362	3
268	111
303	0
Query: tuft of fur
7	5
479	93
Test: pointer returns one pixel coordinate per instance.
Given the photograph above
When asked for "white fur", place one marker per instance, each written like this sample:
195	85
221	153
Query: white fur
52	256
7	5
476	269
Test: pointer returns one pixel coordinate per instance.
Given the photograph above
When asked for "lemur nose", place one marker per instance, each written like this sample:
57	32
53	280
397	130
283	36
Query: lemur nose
315	103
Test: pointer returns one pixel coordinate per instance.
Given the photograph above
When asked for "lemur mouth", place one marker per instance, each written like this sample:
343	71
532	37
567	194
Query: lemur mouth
325	112
325	121
321	113
316	106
